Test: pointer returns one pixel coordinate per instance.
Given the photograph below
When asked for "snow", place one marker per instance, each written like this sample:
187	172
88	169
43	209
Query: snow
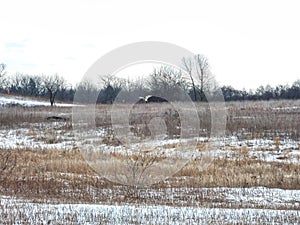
261	149
54	136
27	102
229	148
18	211
287	108
257	205
39	136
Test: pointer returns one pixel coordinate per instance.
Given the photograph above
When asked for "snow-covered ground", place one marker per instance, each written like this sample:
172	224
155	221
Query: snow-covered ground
32	213
257	205
219	197
26	102
19	211
50	135
54	135
288	150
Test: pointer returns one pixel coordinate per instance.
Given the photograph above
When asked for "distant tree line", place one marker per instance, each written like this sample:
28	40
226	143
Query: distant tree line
263	93
196	81
52	87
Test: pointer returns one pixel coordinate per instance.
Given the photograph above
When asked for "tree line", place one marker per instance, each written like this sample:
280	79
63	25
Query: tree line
196	81
263	92
52	87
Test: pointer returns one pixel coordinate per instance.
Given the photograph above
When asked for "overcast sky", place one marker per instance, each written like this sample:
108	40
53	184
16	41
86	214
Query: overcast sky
248	43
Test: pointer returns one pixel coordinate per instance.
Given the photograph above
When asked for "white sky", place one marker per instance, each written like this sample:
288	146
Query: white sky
248	43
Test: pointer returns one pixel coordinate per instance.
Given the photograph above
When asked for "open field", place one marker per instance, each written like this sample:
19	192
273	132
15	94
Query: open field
253	178
33	213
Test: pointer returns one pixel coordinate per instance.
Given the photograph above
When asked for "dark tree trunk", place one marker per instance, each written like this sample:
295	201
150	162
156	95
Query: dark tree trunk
52	97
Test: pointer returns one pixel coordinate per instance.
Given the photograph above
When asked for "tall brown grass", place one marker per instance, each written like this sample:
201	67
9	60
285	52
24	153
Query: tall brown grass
65	175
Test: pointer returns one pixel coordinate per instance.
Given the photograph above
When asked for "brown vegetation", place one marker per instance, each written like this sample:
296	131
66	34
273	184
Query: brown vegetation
63	175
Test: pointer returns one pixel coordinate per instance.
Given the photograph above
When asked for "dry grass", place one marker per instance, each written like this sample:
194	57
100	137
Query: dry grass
50	174
242	173
18	116
65	175
264	119
247	119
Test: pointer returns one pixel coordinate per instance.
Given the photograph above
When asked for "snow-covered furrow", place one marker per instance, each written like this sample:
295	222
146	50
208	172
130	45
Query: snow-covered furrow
16	212
256	197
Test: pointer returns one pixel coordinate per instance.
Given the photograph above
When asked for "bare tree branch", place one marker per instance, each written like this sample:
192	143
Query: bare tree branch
188	66
202	79
2	69
2	74
53	84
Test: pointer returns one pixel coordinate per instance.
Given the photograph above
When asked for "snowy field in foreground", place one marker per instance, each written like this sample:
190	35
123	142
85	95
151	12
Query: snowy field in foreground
32	213
20	211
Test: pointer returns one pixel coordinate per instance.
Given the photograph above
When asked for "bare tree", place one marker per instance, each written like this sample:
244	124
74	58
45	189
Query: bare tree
202	68
53	84
87	91
111	86
113	81
205	79
188	66
2	73
2	69
26	84
167	81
